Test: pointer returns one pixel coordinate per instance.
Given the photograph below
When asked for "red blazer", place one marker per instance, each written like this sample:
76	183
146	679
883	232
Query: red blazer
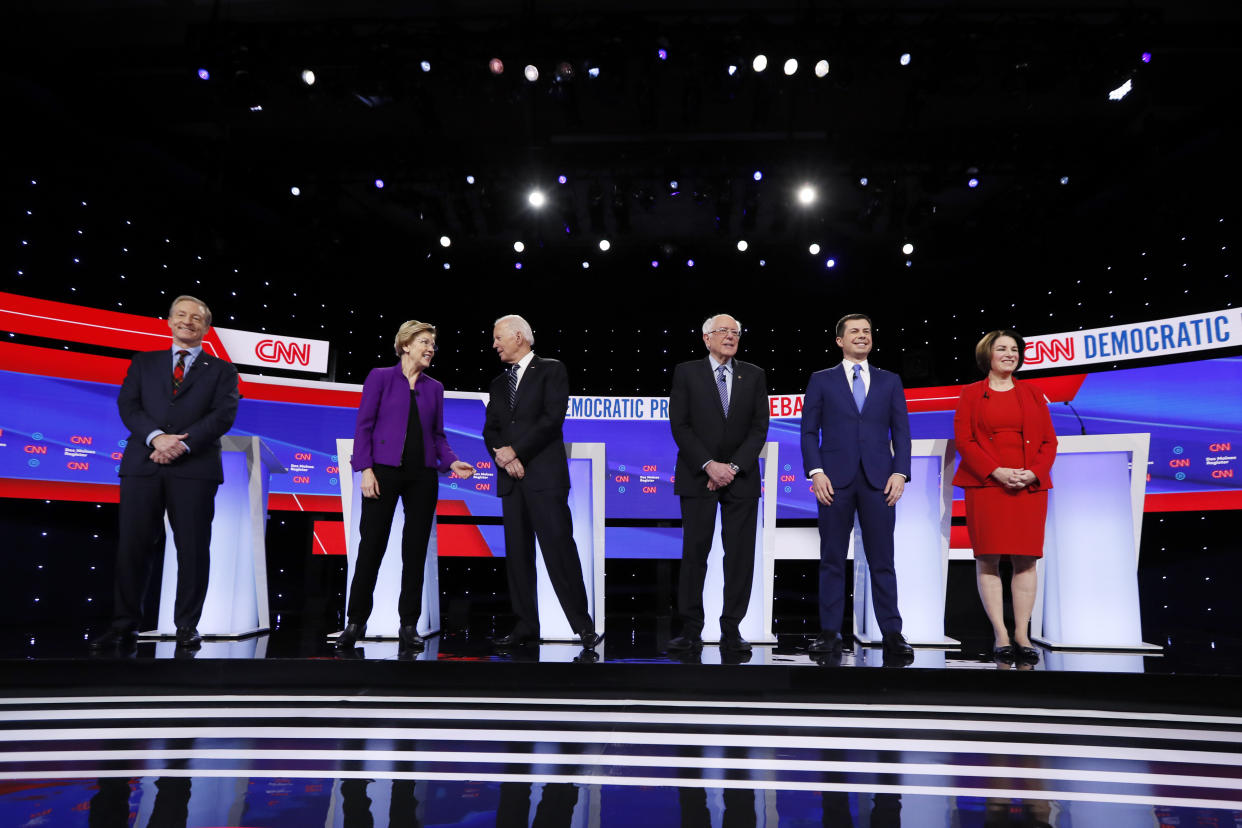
974	438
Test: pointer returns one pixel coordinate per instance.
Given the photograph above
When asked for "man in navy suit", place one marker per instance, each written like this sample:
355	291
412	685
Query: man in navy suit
523	431
850	415
718	411
176	403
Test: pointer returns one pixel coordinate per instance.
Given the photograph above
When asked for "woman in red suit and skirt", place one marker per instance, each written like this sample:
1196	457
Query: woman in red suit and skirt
1005	438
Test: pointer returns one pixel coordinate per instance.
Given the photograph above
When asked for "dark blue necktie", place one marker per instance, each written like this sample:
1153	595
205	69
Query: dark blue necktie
860	388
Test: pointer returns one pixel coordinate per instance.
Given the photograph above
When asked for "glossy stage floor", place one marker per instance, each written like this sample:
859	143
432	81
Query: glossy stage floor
278	731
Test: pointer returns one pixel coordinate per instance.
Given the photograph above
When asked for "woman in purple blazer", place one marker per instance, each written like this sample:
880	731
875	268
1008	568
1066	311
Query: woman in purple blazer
399	446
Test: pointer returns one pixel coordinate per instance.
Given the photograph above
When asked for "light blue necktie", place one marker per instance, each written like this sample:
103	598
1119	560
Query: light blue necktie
723	388
860	389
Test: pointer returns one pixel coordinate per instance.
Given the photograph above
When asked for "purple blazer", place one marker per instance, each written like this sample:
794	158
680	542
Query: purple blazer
379	436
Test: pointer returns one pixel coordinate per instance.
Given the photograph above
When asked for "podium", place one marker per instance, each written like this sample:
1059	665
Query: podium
921	552
236	603
756	627
385	620
587	474
1088	577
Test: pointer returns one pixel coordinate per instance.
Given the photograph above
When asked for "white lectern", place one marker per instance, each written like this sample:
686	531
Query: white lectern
1088	577
236	603
385	621
587	474
921	552
756	627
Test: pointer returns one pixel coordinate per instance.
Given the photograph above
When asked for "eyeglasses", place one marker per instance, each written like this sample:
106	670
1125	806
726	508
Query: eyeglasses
725	331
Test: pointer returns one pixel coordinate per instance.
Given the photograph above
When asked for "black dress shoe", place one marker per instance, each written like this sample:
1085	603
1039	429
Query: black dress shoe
1004	655
188	638
684	643
734	643
1025	655
516	638
409	641
114	639
895	644
828	643
590	638
348	639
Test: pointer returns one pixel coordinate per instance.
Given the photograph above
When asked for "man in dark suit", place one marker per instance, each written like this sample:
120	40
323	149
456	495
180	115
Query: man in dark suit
850	415
718	411
523	432
176	403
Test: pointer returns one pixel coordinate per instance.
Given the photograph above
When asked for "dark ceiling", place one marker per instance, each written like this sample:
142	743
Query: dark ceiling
107	101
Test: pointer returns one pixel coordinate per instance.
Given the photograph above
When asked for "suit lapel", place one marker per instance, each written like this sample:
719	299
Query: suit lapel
527	376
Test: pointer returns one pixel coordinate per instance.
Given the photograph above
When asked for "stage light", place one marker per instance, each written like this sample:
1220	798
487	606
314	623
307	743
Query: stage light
821	69
536	198
759	63
203	74
560	179
1121	91
295	191
689	262
497	66
1145	57
732	69
256	108
518	247
593	71
425	65
904	60
813	249
517	265
806	194
605	245
445	241
864	181
448	266
758	176
1064	180
742	245
791	66
655	262
907	248
672	185
531	72
972	182
586	265
379	183
831	263
662	54
909	263
308	77
470	179
763	262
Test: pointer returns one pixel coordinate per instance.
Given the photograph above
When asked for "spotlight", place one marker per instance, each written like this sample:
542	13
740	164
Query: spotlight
763	262
379	183
791	66
909	263
497	66
308	77
742	245
864	181
586	265
445	241
972	182
655	262
295	191
672	185
907	248
203	74
605	245
518	247
560	179
821	69
425	65
759	63
517	265
904	60
758	176
1064	180
1145	57
531	72
689	262
1120	92
831	263
448	266
470	179
536	198
662	54
813	249
593	71
806	194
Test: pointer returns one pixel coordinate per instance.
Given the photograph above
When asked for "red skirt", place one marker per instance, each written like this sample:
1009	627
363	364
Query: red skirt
1004	522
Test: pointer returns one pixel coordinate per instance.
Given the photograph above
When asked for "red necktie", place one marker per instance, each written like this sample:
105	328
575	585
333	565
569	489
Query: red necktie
179	371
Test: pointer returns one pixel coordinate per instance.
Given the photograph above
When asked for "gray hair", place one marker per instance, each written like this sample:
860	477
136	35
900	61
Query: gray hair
520	325
708	323
187	298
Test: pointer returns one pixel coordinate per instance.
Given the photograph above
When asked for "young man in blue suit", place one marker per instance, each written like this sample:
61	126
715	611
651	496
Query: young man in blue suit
851	414
177	403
